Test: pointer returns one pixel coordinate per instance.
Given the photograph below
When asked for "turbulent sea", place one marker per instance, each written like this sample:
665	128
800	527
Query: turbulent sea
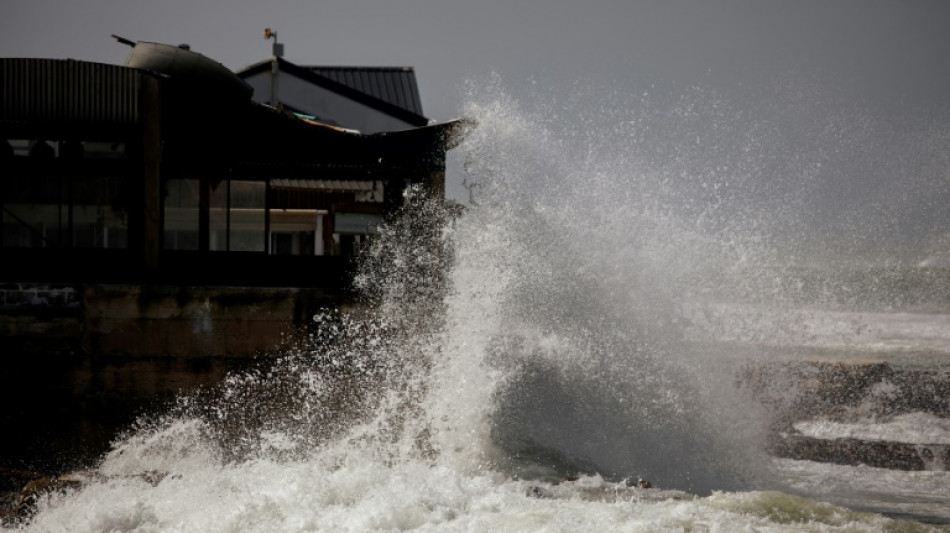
576	331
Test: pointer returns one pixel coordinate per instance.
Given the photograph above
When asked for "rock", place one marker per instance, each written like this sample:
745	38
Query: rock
639	483
879	454
153	477
20	507
805	389
12	481
25	504
534	491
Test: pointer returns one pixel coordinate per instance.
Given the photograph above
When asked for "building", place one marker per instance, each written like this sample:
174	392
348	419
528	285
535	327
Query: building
367	99
170	170
162	226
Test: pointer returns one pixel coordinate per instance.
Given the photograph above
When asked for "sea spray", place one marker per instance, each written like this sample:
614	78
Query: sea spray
488	346
597	378
512	366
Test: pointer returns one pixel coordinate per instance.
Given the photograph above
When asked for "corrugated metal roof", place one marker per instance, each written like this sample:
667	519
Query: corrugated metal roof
59	90
391	90
394	85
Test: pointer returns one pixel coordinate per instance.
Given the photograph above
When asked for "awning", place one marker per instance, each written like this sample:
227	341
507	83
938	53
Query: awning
324	185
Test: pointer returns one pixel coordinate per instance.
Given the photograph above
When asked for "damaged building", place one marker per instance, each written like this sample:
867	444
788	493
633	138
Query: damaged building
168	221
172	169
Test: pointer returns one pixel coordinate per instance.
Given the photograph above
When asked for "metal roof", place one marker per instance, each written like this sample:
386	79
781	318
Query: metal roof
395	85
57	90
181	63
391	90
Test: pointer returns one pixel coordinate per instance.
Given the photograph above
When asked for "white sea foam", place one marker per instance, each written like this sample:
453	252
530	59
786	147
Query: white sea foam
860	332
921	493
263	496
911	428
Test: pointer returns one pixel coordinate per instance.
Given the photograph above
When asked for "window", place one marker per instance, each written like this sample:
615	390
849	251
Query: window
296	231
181	214
100	212
55	196
246	221
236	216
35	210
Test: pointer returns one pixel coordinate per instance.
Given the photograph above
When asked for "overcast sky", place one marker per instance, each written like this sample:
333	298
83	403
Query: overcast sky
892	51
859	89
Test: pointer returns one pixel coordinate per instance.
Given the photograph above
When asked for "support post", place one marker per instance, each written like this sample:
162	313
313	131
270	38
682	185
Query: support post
152	183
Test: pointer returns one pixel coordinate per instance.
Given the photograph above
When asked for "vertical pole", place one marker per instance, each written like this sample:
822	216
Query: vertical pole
227	215
151	166
204	210
267	203
274	69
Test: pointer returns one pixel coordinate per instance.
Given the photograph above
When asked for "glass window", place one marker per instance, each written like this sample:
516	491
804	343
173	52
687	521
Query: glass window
296	231
50	202
181	214
236	216
35	210
218	216
247	222
100	212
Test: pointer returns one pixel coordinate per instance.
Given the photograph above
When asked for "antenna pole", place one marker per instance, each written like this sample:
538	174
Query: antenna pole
278	49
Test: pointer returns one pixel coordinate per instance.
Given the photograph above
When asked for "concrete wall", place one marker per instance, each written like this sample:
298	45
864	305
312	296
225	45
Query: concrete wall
80	363
154	321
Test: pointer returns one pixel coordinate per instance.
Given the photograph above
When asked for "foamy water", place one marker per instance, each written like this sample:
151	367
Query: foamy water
514	382
291	497
198	494
911	428
923	494
868	334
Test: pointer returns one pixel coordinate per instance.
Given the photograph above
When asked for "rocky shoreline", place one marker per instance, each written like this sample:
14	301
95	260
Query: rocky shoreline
846	392
853	452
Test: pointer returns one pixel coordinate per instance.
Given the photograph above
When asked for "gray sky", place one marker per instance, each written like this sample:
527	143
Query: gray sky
892	52
858	91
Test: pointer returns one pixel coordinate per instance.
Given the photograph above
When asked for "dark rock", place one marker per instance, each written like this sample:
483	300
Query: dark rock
879	454
847	391
535	491
795	391
33	492
640	483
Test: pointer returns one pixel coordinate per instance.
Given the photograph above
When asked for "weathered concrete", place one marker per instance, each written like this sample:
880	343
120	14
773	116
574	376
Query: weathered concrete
81	362
137	320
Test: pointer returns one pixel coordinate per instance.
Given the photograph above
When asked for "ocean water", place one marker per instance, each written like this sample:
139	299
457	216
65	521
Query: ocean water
579	328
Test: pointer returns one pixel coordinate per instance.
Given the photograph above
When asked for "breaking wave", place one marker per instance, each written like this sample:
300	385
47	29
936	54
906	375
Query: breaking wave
521	366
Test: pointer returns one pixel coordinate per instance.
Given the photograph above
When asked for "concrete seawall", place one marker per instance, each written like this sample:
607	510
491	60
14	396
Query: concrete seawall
81	362
140	320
